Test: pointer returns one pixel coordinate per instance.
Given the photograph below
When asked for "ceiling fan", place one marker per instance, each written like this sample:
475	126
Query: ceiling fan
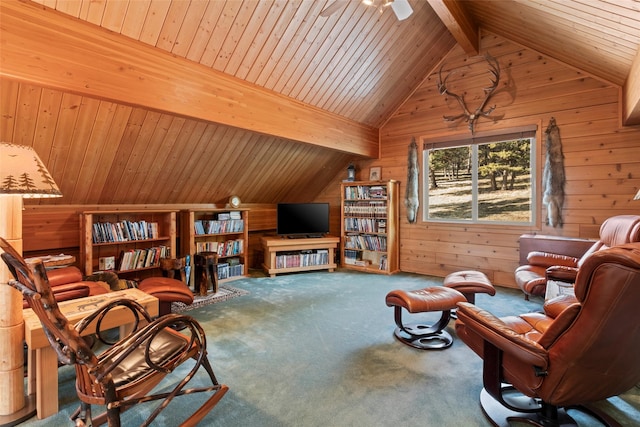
401	8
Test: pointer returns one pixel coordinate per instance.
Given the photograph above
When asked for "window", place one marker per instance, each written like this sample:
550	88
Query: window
489	179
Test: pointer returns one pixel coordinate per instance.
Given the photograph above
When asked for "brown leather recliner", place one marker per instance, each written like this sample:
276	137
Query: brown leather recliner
543	265
580	350
67	283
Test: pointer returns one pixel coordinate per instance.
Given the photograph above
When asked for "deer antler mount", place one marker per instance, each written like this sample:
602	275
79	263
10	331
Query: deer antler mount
467	115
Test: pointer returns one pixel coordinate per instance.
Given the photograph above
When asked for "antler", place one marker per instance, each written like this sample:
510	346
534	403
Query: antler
470	118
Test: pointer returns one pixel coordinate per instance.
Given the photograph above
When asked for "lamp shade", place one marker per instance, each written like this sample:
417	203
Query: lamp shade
23	173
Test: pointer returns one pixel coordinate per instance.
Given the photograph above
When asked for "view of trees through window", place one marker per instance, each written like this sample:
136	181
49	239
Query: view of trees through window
482	182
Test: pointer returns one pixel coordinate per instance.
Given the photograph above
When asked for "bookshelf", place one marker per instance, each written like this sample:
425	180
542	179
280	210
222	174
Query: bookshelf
369	226
224	231
127	242
283	255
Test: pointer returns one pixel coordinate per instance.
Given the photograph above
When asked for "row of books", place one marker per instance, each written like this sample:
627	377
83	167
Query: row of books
231	268
226	248
366	225
364	192
366	242
370	209
141	258
218	226
352	257
302	259
109	232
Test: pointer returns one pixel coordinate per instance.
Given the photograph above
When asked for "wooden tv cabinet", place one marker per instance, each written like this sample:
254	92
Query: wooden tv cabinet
284	255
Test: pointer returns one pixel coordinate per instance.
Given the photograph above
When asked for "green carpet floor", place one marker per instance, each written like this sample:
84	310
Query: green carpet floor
317	349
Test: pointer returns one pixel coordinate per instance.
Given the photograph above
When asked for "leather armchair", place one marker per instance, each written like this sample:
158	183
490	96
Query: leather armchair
557	258
579	350
67	283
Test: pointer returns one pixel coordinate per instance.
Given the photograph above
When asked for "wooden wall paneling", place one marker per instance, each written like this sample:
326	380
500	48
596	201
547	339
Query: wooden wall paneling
137	13
28	104
586	112
46	118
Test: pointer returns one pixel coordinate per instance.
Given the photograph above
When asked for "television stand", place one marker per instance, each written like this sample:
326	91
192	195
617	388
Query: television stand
299	254
304	236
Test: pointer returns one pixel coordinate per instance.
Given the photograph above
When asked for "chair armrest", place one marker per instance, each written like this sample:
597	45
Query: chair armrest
492	329
138	311
547	259
562	273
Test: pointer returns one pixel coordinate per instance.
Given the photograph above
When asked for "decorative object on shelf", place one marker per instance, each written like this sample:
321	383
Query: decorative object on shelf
351	172
375	173
553	177
637	196
23	175
469	117
234	201
411	198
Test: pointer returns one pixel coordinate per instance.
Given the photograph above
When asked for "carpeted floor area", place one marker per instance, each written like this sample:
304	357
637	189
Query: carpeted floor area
317	349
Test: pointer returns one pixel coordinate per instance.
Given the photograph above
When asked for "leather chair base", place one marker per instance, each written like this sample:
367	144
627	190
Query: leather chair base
541	415
425	337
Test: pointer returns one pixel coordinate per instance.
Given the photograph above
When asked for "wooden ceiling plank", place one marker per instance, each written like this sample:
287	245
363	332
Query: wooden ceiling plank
71	55
136	14
113	17
631	94
106	156
171	33
193	39
460	24
234	42
154	21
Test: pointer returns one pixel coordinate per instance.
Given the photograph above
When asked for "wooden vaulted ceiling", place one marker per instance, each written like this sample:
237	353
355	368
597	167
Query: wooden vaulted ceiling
177	101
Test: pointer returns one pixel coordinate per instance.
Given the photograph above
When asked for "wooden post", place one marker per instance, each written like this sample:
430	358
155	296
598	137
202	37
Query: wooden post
13	406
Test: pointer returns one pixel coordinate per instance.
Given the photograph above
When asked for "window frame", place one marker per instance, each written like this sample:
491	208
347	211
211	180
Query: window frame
524	132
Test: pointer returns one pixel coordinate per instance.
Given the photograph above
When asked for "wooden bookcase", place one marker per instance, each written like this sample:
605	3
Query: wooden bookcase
283	255
225	231
369	226
135	240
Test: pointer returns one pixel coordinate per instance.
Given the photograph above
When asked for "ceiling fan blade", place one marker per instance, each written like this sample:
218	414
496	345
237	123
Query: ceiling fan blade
332	8
402	9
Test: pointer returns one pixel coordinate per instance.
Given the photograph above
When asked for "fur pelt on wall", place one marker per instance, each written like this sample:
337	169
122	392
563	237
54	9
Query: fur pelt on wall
553	177
411	200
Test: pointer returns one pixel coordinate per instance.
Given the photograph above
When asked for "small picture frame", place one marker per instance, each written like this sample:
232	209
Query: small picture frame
375	173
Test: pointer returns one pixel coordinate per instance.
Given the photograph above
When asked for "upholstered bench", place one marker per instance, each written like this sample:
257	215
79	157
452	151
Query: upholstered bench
419	335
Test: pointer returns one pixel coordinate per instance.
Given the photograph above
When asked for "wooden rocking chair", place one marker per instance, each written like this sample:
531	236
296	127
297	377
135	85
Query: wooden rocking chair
126	373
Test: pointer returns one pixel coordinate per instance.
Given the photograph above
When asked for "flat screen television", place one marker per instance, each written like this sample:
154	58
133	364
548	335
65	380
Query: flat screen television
302	219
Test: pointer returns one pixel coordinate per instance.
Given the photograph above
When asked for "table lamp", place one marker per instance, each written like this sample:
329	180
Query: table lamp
22	174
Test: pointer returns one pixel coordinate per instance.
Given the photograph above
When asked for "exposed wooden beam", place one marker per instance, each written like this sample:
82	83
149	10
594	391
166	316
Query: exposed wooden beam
459	23
631	95
44	47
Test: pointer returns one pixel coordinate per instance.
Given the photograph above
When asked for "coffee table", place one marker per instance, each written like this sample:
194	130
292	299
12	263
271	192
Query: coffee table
42	369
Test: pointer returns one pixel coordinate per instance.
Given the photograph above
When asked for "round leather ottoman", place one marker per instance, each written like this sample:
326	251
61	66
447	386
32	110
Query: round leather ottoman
167	290
418	335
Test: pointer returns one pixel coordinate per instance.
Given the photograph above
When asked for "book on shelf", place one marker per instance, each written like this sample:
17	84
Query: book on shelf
106	263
